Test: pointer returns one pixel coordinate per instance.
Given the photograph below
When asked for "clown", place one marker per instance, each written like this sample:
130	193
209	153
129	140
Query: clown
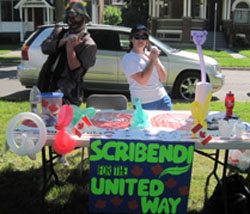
71	53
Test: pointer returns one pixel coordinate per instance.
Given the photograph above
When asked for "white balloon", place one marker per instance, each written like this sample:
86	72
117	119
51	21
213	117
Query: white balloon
25	145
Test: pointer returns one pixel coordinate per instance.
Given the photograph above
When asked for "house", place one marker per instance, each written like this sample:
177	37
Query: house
173	20
18	18
169	20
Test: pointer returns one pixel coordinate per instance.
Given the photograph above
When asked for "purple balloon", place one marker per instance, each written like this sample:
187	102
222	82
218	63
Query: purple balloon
199	37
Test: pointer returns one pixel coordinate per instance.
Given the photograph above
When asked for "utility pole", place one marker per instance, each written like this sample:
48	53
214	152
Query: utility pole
100	11
215	26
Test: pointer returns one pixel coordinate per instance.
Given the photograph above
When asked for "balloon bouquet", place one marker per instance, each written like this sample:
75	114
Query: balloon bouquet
203	95
24	141
71	115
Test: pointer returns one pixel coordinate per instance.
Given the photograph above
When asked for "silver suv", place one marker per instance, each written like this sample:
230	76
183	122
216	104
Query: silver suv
183	68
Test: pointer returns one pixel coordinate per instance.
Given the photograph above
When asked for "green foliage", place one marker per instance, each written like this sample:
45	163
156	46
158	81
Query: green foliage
135	13
112	15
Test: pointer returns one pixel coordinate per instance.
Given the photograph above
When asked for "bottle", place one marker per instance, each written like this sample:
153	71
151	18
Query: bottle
229	103
34	99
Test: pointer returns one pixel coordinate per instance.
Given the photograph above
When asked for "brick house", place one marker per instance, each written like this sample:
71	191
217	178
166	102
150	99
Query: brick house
169	20
173	20
18	18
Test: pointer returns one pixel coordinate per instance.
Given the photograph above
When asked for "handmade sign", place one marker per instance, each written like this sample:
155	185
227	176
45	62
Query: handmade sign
135	176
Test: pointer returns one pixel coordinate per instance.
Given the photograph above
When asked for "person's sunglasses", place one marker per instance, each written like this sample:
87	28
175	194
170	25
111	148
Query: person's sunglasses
142	37
72	15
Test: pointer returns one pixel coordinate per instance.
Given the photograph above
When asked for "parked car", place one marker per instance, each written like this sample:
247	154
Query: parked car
183	68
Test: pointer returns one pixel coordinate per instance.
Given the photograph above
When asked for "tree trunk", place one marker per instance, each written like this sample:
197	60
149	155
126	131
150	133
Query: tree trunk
59	10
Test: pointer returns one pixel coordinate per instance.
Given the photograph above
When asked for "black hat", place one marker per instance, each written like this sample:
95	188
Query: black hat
77	7
138	29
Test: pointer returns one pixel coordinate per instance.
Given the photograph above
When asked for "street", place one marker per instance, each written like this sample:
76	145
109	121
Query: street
236	81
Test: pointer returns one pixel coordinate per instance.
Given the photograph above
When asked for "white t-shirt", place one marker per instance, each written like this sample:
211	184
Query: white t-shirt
153	90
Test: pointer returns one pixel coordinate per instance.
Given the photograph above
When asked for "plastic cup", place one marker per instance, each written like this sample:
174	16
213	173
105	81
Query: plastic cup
239	130
224	129
51	104
232	126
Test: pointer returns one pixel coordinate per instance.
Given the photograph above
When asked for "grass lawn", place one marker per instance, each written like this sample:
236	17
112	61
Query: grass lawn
21	178
226	60
6	48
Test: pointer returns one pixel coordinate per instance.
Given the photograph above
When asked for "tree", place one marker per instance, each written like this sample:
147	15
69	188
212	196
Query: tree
112	15
59	10
135	13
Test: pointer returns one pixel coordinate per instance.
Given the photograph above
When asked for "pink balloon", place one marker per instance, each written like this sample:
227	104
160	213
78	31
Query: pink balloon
64	143
65	117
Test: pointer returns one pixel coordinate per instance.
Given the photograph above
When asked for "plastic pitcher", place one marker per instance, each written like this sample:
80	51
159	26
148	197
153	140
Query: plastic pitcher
51	104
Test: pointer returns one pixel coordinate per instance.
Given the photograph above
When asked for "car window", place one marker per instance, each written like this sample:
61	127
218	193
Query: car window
38	36
104	39
159	44
124	41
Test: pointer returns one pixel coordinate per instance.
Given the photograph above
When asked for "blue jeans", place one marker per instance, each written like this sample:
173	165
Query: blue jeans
163	104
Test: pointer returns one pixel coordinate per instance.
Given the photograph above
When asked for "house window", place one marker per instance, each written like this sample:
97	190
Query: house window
8	13
196	9
241	13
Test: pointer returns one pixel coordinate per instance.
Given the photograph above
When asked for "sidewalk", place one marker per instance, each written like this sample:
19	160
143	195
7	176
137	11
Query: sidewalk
234	54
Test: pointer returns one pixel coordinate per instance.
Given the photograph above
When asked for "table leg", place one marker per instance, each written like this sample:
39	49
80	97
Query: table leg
224	186
47	165
220	181
216	162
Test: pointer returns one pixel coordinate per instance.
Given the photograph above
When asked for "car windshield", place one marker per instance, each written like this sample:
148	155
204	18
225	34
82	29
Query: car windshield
162	45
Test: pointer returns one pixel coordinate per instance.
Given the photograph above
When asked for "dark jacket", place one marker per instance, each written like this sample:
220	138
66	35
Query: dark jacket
70	82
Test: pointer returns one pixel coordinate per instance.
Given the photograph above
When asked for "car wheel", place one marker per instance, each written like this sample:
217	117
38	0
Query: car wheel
185	85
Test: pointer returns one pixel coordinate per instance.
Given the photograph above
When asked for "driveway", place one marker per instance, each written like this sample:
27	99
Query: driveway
10	87
236	81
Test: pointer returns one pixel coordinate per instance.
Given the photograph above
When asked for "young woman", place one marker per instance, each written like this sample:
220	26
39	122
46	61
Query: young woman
145	73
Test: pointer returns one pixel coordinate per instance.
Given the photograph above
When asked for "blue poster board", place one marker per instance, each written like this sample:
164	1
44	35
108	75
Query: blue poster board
135	176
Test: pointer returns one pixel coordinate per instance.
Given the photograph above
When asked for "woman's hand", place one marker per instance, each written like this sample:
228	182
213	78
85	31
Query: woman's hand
154	53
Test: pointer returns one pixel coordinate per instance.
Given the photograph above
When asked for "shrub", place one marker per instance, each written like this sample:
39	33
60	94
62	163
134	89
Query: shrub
112	15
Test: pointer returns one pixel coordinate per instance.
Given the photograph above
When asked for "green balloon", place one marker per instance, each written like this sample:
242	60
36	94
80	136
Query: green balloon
79	113
140	117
